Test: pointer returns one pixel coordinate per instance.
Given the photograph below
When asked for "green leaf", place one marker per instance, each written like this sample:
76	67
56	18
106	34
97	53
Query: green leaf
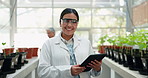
4	43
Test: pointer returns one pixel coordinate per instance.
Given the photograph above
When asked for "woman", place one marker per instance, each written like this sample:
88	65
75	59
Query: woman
62	55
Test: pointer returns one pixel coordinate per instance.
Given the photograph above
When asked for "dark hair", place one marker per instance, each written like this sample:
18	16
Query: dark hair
67	11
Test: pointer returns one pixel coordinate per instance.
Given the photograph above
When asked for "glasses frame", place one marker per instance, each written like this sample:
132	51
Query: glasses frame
66	21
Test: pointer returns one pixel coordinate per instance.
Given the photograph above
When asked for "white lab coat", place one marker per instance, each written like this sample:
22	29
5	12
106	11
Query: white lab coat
54	61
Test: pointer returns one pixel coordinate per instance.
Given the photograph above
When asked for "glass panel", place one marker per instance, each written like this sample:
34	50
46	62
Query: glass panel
34	17
108	3
29	39
4	3
4	24
33	2
31	24
109	11
72	0
56	16
84	17
104	21
4	12
106	0
108	18
137	2
72	3
31	30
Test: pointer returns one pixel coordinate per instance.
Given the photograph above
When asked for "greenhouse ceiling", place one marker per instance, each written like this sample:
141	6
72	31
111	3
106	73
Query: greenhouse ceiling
66	3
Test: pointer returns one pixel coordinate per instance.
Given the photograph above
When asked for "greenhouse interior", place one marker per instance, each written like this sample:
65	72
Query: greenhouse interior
91	39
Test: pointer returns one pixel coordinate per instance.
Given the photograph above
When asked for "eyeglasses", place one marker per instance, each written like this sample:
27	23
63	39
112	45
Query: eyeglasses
66	21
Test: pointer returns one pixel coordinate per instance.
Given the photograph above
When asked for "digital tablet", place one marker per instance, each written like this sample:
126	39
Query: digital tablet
90	58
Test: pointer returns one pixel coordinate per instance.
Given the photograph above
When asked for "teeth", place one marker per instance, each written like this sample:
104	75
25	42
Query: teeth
68	29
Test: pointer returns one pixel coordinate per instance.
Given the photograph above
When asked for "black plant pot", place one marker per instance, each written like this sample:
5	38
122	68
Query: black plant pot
16	55
112	54
107	52
138	65
22	60
116	55
144	59
120	57
144	71
7	67
2	75
124	57
128	59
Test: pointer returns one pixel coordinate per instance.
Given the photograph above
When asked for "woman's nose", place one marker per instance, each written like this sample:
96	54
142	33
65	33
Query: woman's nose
69	24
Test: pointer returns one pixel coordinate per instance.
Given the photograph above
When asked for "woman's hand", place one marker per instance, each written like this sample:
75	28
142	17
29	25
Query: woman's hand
76	70
96	65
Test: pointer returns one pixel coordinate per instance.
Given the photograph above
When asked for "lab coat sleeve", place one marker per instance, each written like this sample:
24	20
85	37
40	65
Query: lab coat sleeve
93	72
46	70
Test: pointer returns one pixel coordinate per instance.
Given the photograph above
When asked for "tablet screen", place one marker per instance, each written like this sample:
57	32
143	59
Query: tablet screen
90	58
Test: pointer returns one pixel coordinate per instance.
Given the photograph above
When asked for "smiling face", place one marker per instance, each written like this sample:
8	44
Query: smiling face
69	25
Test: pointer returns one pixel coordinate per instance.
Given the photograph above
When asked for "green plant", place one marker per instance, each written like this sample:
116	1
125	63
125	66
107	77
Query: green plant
139	38
4	43
121	41
142	40
112	40
102	39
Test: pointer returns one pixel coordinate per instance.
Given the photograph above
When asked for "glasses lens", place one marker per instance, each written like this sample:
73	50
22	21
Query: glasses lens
74	21
65	20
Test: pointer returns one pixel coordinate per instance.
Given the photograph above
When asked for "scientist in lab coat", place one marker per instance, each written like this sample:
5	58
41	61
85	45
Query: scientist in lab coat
50	32
62	55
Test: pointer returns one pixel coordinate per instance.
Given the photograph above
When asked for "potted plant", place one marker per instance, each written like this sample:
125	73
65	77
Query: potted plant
8	64
137	39
129	51
120	53
143	45
112	41
22	58
101	45
16	56
144	58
